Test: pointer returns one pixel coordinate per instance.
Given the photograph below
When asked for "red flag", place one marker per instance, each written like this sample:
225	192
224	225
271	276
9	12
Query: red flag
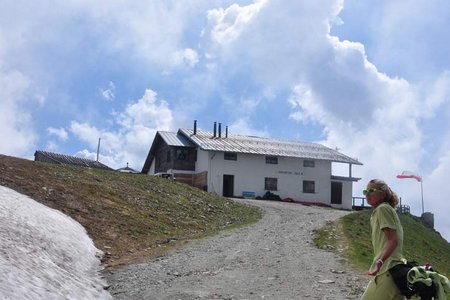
406	174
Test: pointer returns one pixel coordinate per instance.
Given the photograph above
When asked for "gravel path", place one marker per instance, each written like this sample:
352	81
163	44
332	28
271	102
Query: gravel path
272	259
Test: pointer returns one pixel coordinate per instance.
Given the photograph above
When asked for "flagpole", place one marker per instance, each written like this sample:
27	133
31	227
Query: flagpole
421	191
406	174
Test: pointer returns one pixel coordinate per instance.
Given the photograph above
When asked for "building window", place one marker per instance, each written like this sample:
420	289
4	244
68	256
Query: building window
271	184
309	186
230	155
182	154
168	156
309	163
273	160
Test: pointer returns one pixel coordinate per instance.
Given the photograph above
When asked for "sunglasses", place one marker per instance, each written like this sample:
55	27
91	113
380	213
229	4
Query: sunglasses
370	191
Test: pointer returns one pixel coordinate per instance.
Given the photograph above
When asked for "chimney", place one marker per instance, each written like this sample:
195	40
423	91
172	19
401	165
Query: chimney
226	131
195	127
220	130
215	125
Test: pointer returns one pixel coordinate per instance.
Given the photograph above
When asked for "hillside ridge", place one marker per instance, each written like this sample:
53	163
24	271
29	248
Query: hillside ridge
128	216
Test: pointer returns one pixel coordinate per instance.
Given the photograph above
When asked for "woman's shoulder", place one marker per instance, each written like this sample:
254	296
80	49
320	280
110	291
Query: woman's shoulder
384	208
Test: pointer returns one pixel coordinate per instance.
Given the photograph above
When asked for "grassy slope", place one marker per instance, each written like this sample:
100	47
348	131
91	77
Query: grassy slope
351	235
128	216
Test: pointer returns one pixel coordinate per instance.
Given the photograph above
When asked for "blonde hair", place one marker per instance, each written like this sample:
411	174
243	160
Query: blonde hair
391	197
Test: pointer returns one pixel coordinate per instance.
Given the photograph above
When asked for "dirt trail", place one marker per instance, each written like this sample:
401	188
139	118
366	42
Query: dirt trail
272	259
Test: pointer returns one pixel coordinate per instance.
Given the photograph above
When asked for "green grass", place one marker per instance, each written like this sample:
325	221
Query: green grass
352	233
128	216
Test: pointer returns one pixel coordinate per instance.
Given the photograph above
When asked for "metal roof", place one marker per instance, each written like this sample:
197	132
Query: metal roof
62	159
265	146
175	139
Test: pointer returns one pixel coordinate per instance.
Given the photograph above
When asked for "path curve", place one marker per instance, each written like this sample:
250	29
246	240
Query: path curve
271	259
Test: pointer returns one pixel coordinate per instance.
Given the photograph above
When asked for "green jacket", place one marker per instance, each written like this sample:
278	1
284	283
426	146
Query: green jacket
442	284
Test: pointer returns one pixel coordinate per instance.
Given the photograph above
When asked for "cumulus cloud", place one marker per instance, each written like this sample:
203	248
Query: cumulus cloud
60	133
243	126
132	139
305	108
17	134
229	23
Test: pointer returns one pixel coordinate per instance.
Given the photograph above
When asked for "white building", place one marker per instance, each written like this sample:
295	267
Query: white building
235	165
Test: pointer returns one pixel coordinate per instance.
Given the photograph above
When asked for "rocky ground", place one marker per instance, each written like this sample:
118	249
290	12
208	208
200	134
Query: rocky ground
274	258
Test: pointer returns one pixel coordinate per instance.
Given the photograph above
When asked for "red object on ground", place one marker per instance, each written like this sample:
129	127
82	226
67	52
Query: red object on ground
288	199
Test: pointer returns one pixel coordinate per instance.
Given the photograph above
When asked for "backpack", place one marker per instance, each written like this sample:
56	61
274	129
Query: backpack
399	275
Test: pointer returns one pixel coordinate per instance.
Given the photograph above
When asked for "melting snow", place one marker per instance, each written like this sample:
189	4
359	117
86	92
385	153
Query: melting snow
45	254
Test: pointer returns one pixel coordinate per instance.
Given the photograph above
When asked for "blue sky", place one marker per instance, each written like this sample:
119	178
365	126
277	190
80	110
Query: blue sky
372	80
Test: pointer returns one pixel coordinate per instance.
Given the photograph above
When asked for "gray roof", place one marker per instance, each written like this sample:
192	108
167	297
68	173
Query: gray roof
127	169
62	159
175	139
265	146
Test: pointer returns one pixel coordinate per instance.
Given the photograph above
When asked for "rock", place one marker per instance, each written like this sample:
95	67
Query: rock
337	271
326	281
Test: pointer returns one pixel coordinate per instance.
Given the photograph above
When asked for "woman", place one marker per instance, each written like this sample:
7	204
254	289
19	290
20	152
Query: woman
387	241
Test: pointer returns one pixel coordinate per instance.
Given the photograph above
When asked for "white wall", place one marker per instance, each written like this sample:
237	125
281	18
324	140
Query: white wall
250	170
202	163
347	195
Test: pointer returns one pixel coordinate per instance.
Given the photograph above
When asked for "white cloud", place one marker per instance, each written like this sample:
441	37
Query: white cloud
131	141
243	126
435	189
437	96
273	42
404	38
52	146
148	112
60	133
16	131
187	57
152	32
229	23
108	93
305	107
86	133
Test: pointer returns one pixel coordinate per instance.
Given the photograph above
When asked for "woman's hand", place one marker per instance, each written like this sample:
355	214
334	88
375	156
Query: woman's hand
377	268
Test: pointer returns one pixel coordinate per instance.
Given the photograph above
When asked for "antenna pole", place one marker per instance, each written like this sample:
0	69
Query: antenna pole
98	148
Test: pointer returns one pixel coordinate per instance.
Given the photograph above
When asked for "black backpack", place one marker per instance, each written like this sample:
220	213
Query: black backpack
399	275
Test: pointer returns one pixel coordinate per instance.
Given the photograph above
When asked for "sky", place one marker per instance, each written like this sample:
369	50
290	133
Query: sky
370	80
45	254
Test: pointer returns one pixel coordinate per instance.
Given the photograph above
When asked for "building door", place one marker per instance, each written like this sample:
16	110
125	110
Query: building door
336	192
228	185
